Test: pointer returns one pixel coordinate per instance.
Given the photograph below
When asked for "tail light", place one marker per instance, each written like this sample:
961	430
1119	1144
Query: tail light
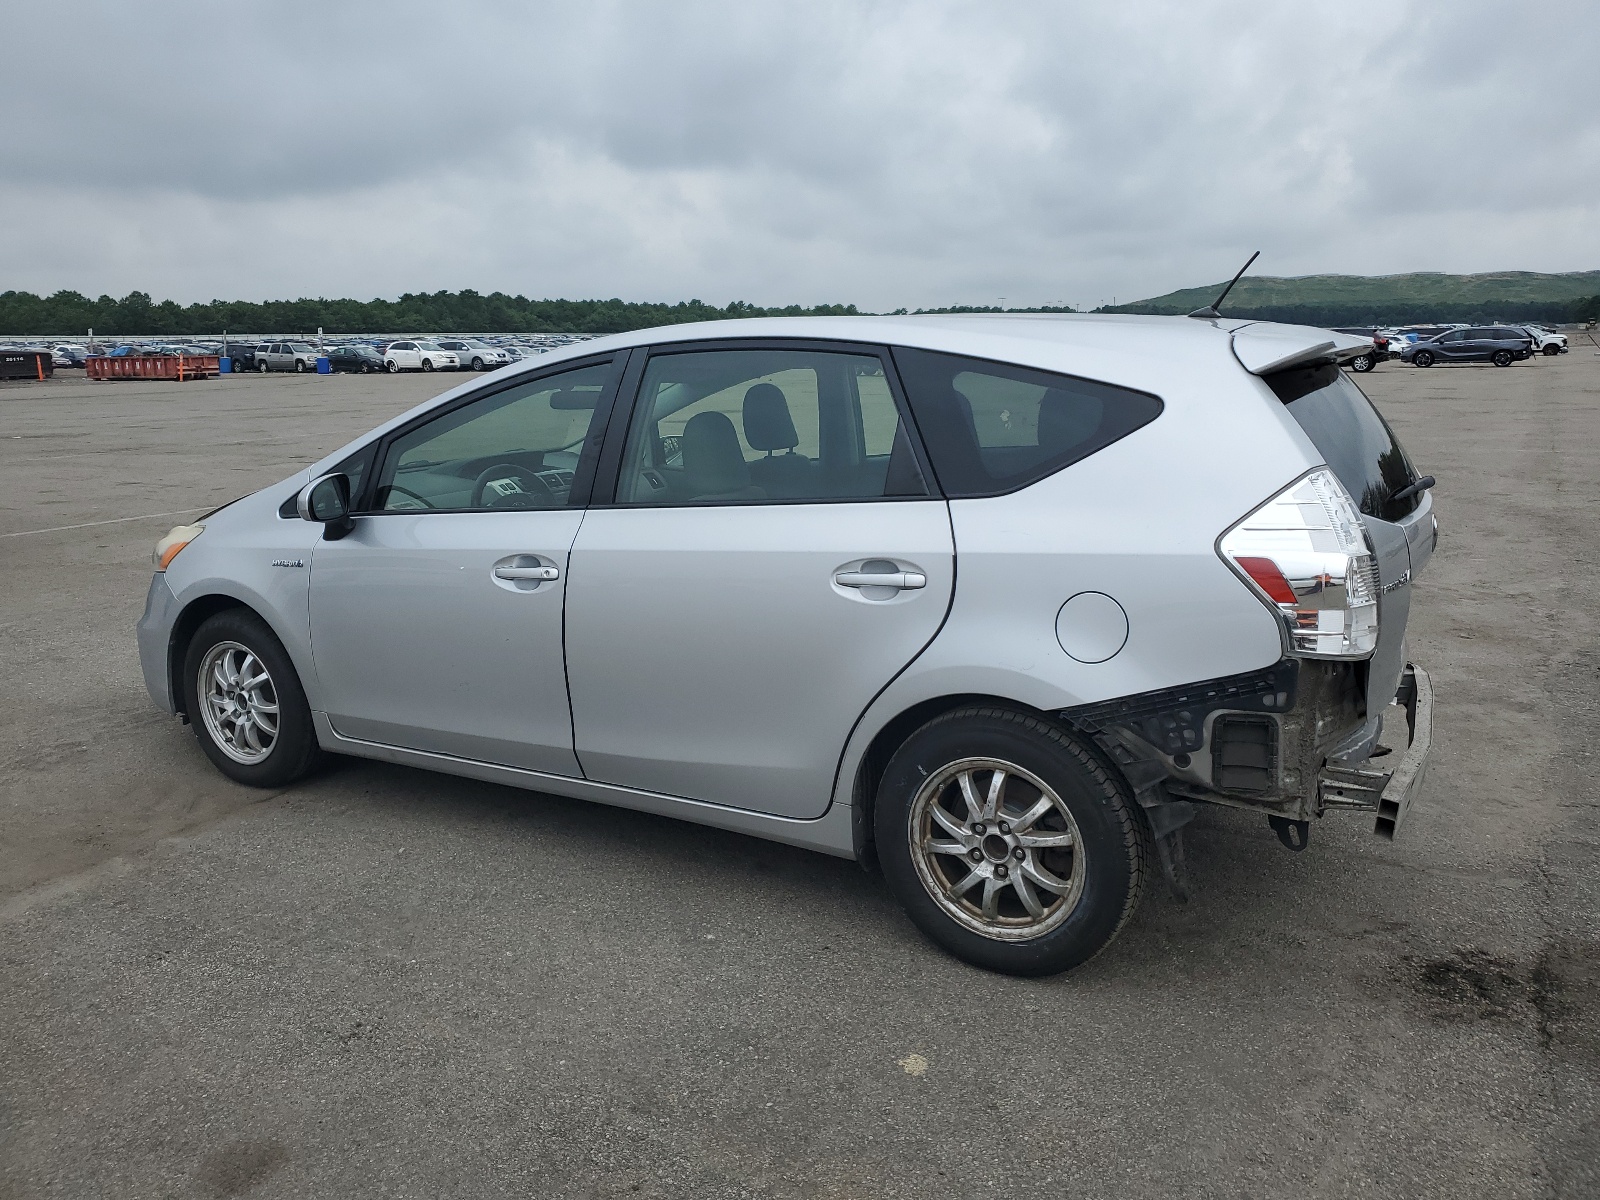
1305	553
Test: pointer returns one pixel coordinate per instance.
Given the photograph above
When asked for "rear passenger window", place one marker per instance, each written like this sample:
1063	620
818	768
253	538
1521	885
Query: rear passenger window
991	428
766	426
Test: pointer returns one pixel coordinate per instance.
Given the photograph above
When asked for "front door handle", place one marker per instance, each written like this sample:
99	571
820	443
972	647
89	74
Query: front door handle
905	581
542	574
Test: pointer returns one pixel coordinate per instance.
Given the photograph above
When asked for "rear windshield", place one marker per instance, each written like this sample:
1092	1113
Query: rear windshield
991	428
1348	432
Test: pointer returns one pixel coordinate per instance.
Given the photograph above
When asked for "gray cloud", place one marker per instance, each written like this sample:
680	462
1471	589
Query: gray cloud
886	153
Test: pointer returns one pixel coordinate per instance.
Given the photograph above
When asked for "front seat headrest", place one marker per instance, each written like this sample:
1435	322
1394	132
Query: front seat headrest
768	424
713	463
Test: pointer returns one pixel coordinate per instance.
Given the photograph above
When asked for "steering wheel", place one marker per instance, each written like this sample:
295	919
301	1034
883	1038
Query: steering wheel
531	491
421	501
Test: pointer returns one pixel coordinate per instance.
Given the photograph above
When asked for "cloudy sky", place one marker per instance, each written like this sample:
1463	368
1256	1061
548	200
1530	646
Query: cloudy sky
881	153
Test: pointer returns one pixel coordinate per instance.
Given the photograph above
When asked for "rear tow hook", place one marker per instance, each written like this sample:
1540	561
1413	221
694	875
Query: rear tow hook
1296	835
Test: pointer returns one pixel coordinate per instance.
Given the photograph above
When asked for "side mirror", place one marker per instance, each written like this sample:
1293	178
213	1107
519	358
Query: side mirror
327	502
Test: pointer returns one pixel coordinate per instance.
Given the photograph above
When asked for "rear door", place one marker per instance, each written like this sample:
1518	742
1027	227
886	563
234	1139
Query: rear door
769	558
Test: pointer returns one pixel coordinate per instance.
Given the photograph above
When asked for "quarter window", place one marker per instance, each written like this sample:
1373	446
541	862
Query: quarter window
991	428
766	426
515	449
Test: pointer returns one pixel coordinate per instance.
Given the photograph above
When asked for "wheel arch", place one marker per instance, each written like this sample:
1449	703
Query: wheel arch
194	614
889	738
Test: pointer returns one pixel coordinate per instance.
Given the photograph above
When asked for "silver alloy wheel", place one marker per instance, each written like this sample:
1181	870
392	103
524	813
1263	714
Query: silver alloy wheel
997	849
238	702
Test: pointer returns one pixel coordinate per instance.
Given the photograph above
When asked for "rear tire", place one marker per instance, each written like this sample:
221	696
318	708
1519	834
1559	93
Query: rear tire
392	367
245	702
1362	363
1501	358
1062	853
262	366
1422	358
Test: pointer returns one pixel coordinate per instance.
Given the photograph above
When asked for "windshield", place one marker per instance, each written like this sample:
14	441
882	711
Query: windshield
299	348
1350	434
429	346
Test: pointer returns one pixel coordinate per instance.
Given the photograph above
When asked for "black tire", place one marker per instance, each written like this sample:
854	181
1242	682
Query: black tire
477	364
1112	845
1422	358
294	750
392	367
1551	350
1501	358
262	366
427	364
1362	363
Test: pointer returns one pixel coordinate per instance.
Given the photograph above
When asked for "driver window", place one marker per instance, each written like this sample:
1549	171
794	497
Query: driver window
514	449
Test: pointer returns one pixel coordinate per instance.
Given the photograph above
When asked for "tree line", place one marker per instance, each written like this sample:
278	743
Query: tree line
70	314
137	315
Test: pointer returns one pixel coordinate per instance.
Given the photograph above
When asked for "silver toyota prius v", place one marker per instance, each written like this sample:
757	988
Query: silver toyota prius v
989	603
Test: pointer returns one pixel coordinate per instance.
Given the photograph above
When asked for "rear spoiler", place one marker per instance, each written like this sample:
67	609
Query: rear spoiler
1262	347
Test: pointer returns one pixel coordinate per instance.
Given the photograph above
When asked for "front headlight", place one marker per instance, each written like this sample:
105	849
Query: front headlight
179	537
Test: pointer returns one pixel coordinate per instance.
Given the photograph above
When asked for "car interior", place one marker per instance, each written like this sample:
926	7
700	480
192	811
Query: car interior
766	425
516	449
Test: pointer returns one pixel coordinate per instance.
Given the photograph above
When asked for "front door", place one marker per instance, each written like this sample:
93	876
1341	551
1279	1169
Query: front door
436	624
773	559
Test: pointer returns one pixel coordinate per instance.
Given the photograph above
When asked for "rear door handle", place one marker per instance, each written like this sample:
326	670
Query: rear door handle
543	574
905	581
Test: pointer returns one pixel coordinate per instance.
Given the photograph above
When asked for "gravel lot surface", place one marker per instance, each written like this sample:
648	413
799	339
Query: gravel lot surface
388	982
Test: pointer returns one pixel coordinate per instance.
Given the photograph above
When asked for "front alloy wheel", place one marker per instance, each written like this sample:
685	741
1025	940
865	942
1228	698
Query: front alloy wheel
238	702
1423	359
245	703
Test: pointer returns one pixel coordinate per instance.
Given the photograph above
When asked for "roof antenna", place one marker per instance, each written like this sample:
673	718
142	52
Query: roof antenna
1210	312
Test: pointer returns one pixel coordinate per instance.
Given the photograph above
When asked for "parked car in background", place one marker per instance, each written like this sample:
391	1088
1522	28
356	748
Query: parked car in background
69	355
877	586
480	356
242	355
355	358
1501	345
1364	362
419	355
287	356
1546	341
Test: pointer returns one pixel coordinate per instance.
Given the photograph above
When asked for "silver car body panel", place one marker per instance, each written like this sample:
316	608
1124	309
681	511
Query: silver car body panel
1221	447
832	833
712	655
418	643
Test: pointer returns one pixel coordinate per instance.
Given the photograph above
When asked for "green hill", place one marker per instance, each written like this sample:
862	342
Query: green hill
1363	299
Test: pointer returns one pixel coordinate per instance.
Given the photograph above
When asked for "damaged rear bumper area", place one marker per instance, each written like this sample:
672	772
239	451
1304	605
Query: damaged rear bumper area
1292	741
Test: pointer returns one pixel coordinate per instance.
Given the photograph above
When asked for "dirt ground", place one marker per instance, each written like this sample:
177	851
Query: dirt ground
387	982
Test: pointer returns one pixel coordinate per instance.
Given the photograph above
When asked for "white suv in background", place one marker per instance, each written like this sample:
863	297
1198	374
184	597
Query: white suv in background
419	355
993	602
480	356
